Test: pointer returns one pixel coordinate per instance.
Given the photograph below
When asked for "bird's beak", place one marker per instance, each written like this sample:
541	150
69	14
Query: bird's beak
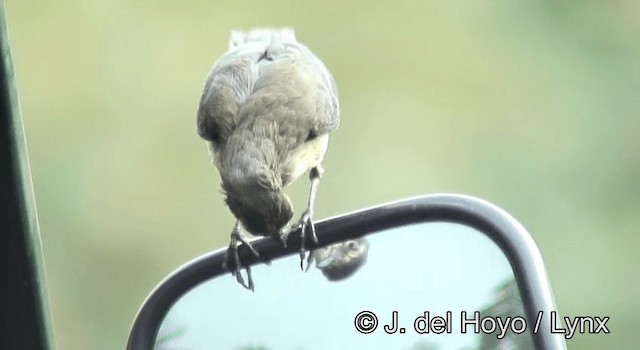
326	260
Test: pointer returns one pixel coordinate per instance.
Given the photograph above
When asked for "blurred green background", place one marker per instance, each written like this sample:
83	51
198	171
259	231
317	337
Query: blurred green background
534	106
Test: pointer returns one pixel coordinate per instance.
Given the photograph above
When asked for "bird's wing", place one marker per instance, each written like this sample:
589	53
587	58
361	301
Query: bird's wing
229	84
327	116
295	90
280	83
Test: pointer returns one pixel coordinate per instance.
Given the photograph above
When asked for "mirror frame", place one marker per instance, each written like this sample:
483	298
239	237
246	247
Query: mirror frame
510	236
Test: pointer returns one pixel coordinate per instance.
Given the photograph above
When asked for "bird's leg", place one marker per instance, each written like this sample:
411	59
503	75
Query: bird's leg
307	217
232	253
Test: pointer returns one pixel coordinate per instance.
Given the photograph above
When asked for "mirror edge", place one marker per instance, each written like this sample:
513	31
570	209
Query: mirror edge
510	236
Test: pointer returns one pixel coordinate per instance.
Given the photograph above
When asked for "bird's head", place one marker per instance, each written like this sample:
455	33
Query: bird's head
341	260
261	206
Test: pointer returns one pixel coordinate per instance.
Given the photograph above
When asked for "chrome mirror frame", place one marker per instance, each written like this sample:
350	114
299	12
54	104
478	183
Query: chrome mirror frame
512	238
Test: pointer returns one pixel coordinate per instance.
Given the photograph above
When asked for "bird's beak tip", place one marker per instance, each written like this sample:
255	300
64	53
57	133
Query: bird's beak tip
325	262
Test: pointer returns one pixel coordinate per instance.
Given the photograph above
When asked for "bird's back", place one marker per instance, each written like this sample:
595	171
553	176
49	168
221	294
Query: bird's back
267	87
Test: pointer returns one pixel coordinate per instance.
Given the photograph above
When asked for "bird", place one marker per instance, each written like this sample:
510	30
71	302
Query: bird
267	108
341	260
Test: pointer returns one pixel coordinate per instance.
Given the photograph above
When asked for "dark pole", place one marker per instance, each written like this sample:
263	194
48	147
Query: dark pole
24	312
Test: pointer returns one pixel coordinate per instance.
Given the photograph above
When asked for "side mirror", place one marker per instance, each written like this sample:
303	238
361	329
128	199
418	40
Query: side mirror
443	272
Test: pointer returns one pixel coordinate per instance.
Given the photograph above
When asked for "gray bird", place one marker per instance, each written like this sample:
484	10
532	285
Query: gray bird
341	260
266	112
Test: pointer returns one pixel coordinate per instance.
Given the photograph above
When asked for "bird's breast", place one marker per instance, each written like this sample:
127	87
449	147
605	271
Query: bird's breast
305	157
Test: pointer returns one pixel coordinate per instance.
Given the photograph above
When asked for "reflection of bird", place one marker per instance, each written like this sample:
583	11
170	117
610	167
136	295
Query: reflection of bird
267	109
341	260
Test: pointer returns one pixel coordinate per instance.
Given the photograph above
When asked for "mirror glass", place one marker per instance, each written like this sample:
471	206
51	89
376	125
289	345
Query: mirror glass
440	268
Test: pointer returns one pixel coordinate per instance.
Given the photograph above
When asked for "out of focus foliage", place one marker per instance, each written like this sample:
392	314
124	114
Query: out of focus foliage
507	306
531	105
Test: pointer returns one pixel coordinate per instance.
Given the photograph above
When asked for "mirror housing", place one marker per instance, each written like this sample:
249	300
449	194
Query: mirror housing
510	236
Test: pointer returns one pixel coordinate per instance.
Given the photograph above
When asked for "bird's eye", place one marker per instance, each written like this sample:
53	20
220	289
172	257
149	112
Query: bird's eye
353	245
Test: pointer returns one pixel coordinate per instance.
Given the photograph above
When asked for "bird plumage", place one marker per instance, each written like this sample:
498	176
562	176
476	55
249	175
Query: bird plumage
266	110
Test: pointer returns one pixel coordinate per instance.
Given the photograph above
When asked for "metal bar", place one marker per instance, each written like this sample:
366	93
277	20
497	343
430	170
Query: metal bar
24	310
495	223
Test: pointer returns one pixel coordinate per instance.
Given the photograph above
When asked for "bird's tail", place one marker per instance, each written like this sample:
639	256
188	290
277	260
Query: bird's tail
264	35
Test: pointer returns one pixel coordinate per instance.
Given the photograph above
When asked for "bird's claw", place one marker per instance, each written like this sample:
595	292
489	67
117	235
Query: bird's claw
310	260
232	253
235	268
250	286
306	221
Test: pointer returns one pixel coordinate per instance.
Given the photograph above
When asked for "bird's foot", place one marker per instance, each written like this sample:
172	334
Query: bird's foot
232	260
306	221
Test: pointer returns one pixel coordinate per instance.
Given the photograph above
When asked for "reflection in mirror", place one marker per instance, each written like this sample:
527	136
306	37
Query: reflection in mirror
341	260
434	267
